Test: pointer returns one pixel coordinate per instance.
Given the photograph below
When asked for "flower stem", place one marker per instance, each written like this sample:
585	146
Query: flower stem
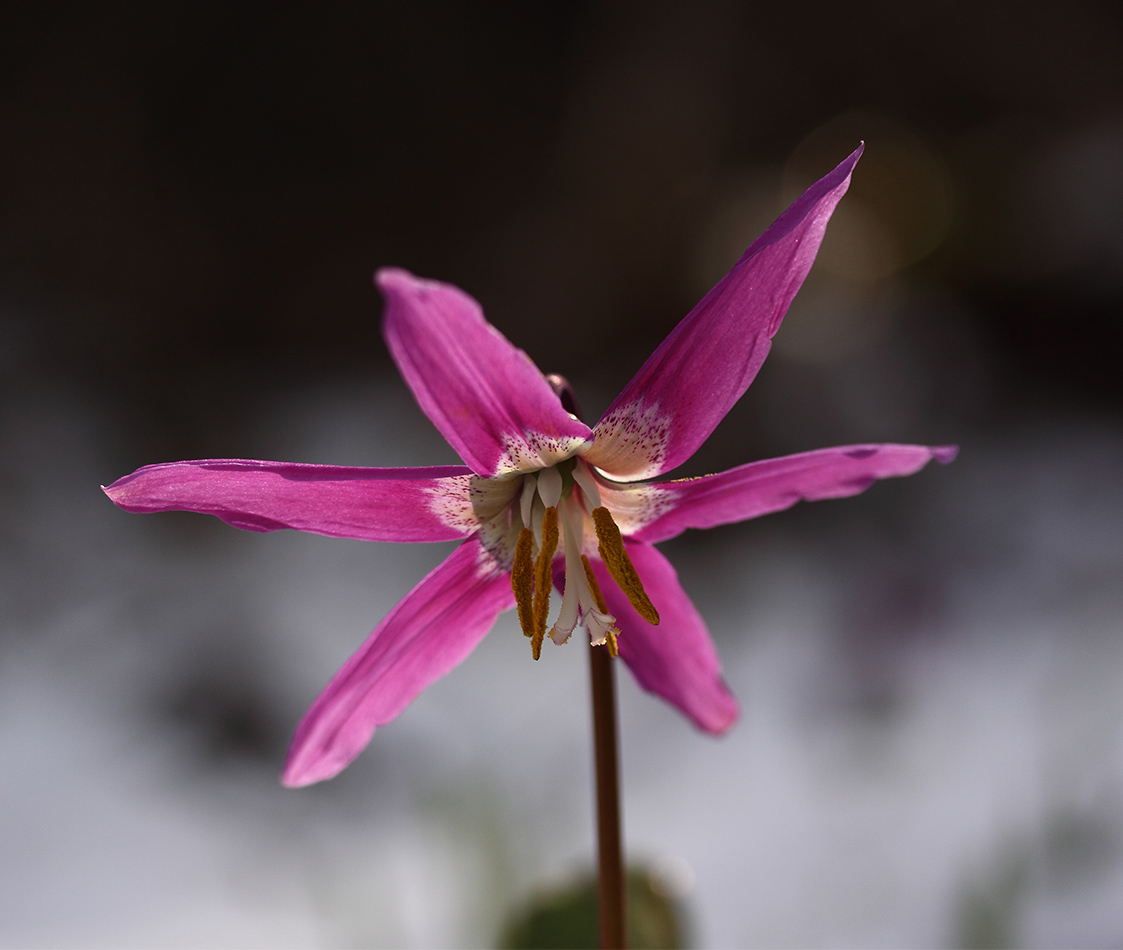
613	912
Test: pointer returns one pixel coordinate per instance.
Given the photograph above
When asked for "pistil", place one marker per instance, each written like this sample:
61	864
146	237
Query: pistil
598	599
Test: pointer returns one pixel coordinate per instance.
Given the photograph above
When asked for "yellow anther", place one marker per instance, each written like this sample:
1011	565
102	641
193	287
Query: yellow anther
522	580
543	576
610	642
620	565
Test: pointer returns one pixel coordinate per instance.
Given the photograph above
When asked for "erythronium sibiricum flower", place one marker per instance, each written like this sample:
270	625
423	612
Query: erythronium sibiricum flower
544	501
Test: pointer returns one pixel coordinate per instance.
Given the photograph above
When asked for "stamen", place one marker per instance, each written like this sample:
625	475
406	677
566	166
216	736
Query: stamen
550	486
543	579
537	513
530	483
522	580
620	566
588	485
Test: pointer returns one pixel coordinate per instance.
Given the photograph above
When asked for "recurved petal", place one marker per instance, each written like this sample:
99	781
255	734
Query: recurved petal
760	488
369	504
677	659
690	382
431	631
484	395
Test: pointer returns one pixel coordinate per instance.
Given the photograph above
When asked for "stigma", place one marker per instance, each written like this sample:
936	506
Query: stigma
558	512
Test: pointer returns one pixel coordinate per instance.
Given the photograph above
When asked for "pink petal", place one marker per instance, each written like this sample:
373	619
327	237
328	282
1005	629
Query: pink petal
760	488
485	396
676	659
431	631
369	504
688	385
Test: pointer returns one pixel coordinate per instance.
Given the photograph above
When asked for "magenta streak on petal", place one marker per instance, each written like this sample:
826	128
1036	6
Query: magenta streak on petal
688	385
430	632
485	396
760	488
368	504
676	659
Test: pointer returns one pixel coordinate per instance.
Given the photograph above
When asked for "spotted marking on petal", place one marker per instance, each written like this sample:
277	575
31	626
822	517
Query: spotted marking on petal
536	450
498	538
634	505
487	566
489	496
491	503
632	440
450	501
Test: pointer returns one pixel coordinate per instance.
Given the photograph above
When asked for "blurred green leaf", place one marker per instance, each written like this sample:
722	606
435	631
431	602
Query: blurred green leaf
567	917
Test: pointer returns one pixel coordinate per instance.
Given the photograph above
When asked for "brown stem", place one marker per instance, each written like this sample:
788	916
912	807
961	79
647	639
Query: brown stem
613	912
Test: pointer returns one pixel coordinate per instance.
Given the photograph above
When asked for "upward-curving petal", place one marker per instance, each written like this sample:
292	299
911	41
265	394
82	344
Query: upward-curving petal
431	631
484	395
677	659
666	509
692	380
368	504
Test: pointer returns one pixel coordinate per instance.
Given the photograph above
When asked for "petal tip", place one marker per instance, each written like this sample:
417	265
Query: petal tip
396	279
323	746
845	168
300	779
945	453
116	491
307	768
293	781
722	720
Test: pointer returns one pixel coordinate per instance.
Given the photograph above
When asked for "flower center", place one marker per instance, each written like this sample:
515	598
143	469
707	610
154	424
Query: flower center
553	508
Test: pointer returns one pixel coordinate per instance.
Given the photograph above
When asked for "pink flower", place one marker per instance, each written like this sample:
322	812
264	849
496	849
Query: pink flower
543	500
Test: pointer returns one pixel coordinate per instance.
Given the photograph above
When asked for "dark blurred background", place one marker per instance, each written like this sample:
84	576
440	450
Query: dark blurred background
195	195
193	198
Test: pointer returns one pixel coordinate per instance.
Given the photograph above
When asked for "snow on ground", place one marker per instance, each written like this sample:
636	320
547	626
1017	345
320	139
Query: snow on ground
931	748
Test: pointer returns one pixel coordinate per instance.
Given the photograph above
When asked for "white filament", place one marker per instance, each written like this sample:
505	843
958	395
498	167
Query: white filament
584	479
530	483
550	486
